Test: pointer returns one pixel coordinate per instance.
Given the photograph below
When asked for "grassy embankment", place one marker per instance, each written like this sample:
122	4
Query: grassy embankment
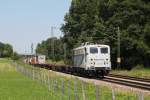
138	71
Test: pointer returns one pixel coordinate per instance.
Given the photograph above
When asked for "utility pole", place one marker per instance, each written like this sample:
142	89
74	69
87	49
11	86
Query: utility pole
32	48
52	43
64	51
118	48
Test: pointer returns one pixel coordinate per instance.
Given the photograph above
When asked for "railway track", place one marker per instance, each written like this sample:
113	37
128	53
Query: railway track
140	83
131	78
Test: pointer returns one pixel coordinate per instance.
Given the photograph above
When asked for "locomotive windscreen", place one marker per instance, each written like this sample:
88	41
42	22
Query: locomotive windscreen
93	50
104	50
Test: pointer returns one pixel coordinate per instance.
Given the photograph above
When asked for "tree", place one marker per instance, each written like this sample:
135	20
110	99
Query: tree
15	56
1	49
6	50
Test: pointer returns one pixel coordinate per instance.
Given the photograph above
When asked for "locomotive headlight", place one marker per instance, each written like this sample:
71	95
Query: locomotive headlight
105	62
94	63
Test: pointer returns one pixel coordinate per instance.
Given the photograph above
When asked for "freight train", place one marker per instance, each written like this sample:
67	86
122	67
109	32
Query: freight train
35	59
88	59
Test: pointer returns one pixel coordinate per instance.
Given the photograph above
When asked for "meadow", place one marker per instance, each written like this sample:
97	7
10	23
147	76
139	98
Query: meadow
15	86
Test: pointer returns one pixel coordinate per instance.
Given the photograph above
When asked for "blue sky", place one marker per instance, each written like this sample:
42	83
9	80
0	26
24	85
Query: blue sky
23	22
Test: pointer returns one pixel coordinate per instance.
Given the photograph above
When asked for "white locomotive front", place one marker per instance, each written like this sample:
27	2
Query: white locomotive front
92	59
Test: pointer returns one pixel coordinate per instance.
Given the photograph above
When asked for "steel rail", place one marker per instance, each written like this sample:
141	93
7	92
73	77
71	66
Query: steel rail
130	77
128	82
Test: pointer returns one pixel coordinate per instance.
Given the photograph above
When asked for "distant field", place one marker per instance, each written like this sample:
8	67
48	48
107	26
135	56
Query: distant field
15	86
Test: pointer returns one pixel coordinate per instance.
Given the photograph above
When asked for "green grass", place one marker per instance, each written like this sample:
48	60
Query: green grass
55	62
89	89
136	72
15	86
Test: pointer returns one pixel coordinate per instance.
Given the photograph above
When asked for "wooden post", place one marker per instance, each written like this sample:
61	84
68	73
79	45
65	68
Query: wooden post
97	92
113	94
83	91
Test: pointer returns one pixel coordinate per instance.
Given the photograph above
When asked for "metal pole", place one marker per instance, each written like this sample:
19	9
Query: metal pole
69	97
118	48
64	52
140	96
97	92
83	91
75	90
52	43
113	94
63	91
32	46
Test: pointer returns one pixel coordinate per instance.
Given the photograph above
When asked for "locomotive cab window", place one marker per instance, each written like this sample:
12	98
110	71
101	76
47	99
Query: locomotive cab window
93	50
104	50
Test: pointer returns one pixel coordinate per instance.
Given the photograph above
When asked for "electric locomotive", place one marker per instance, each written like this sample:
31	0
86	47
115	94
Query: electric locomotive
92	59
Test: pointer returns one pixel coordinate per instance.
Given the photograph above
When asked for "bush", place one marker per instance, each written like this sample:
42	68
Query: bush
15	56
138	67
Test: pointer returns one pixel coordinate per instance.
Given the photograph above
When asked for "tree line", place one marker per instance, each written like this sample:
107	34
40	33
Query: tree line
97	21
52	48
6	51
